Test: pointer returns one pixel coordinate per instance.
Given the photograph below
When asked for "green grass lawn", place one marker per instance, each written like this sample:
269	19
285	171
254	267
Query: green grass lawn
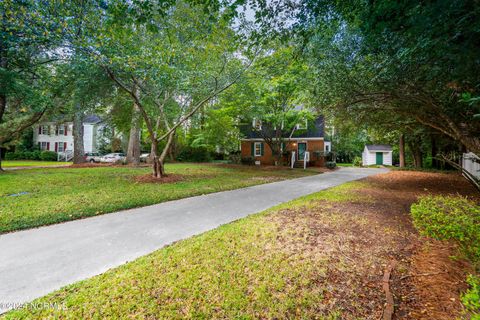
62	194
238	271
31	163
322	256
344	164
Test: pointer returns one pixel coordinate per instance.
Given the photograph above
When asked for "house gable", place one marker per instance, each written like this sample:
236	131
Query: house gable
314	131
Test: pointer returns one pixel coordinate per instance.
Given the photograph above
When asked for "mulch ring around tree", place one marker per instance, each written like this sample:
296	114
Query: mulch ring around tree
364	241
149	178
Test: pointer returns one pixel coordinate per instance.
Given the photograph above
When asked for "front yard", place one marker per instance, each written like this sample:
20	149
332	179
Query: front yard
32	163
319	257
35	197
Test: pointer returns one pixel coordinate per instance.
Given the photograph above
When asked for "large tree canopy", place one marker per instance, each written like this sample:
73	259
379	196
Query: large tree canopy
171	65
29	32
407	60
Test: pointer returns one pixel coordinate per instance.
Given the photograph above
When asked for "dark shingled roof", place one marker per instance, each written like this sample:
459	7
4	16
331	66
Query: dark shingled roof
314	130
379	147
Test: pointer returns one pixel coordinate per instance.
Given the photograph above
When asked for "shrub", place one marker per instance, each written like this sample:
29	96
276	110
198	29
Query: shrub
48	156
25	155
319	154
457	219
331	164
10	156
357	161
199	154
248	161
36	155
450	218
471	298
235	157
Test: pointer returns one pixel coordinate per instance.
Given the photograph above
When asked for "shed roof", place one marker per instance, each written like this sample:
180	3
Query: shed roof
378	147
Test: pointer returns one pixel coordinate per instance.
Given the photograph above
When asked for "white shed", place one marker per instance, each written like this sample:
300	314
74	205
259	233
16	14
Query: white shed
380	154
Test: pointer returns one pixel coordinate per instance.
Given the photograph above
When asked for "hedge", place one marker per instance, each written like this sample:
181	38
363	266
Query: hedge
32	155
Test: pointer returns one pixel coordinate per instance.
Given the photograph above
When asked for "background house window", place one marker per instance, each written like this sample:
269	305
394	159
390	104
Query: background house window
44	130
257	149
43	145
60	130
60	147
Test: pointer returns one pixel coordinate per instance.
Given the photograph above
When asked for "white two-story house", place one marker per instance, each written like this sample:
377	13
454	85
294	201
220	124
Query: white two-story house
58	136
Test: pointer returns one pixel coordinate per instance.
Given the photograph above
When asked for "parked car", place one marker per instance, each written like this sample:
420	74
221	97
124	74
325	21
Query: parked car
144	157
92	157
113	157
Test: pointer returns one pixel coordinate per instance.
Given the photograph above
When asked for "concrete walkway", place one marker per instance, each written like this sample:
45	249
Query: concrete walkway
37	261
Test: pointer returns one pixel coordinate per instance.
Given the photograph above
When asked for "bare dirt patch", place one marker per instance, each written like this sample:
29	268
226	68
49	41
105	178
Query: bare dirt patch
360	238
148	178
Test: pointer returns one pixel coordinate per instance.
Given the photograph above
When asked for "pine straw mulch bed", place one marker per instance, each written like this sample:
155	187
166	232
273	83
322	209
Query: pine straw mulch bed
360	238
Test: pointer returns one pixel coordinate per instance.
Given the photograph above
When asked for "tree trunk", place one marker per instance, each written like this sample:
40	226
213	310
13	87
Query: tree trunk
278	154
1	169
156	165
172	150
133	150
434	152
401	150
150	157
417	155
418	158
78	148
158	161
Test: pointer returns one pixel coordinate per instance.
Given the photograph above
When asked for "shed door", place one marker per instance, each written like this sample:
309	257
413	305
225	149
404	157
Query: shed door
379	158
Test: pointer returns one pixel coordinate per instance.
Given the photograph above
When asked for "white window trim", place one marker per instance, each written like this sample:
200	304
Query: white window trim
45	130
257	124
60	146
281	126
259	149
300	127
60	130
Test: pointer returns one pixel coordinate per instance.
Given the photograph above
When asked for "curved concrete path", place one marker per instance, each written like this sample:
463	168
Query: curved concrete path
37	261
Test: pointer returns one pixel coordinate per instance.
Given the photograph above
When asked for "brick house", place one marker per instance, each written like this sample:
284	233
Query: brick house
306	143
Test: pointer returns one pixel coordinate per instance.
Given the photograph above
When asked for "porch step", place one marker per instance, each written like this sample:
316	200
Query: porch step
298	164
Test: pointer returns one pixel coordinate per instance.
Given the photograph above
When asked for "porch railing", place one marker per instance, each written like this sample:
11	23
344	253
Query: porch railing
66	155
306	159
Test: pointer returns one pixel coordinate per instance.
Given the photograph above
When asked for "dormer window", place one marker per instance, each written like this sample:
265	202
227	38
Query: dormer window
257	124
302	126
281	126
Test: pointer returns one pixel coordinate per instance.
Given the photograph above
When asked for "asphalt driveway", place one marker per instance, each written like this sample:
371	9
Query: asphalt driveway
37	261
